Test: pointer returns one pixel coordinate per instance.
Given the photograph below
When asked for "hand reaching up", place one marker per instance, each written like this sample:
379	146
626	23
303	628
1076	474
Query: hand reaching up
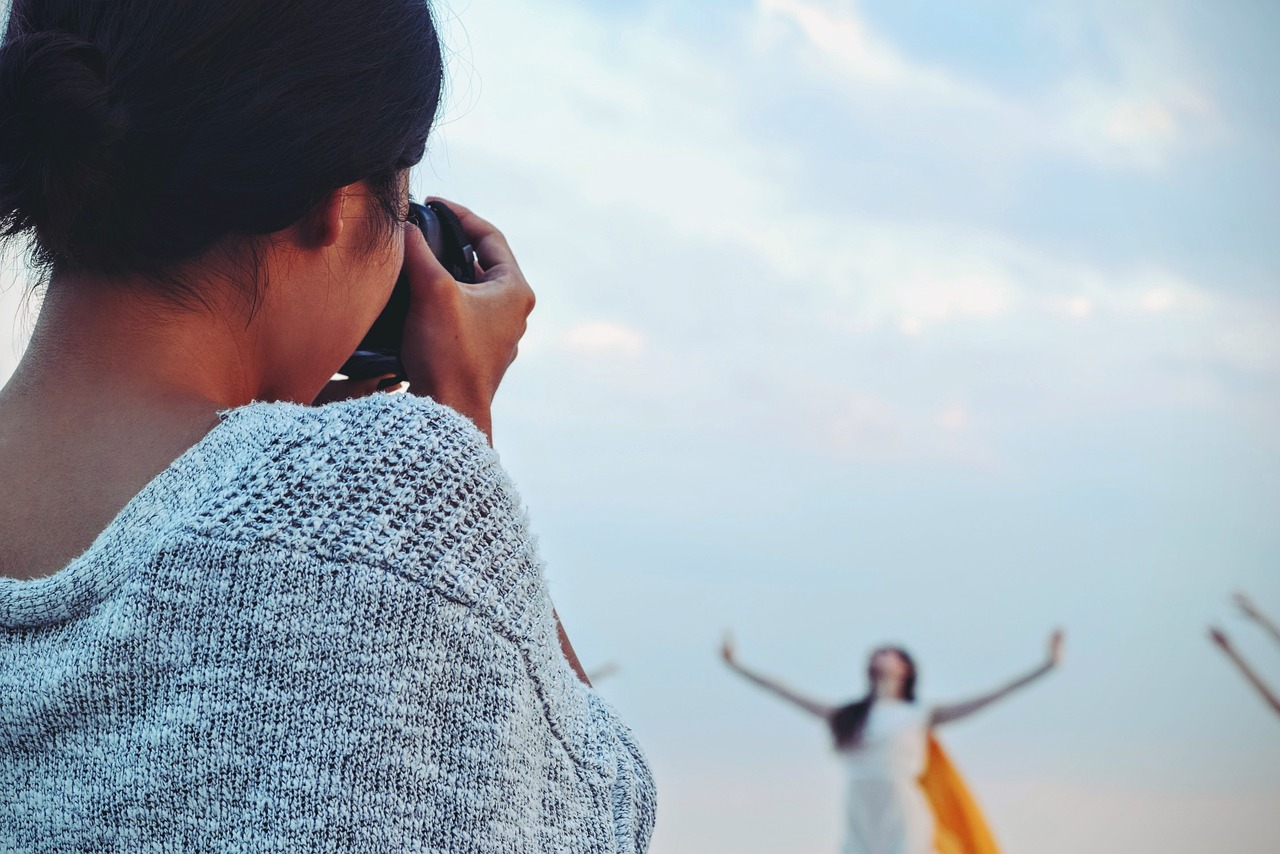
1056	642
1246	606
728	650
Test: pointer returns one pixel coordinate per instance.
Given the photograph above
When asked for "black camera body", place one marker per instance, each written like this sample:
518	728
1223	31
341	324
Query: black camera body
379	351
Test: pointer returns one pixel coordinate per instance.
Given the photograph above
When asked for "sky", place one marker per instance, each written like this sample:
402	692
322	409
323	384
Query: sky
864	322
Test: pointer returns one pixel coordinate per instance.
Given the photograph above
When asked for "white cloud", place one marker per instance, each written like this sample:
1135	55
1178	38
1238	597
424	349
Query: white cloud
954	418
1078	307
602	338
1136	107
1120	124
1158	300
965	296
842	36
911	326
859	425
1134	93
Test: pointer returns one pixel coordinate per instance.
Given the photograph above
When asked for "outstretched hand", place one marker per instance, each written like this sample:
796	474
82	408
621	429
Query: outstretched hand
1055	647
728	650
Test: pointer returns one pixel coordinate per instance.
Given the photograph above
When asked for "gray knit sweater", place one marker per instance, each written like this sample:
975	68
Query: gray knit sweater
320	629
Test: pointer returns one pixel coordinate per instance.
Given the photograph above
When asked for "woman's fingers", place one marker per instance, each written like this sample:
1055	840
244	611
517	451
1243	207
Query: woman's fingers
460	338
425	270
494	256
727	647
497	263
1055	646
490	244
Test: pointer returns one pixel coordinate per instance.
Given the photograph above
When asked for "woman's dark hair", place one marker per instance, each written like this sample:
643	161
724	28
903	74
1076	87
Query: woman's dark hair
137	135
849	721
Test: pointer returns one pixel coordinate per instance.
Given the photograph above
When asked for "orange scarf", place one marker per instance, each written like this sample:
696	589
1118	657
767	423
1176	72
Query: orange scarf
961	829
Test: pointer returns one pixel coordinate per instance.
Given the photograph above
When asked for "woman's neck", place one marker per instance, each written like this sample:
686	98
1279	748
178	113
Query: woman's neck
110	391
888	691
114	345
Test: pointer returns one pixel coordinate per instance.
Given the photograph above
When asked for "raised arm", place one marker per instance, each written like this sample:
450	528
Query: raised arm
956	711
1245	604
1224	644
729	653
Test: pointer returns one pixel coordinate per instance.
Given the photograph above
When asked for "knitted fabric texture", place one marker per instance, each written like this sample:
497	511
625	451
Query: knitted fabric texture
320	629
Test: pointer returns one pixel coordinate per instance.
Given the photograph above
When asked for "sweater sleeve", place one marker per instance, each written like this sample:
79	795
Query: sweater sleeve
633	795
453	524
492	565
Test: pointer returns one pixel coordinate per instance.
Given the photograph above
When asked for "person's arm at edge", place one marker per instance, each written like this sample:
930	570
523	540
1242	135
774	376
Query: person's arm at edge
1245	604
1224	644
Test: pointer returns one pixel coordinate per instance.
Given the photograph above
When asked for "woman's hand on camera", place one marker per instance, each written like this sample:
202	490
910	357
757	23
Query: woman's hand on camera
460	338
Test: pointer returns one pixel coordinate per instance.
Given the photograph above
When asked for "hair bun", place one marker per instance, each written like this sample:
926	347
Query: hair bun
57	127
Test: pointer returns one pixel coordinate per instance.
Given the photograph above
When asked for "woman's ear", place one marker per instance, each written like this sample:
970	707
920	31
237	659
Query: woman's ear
323	226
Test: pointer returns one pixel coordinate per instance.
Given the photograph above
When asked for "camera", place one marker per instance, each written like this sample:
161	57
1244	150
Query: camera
379	352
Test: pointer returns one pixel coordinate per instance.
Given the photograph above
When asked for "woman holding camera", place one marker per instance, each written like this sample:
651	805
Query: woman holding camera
231	619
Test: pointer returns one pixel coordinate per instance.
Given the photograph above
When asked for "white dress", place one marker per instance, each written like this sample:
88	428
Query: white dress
885	808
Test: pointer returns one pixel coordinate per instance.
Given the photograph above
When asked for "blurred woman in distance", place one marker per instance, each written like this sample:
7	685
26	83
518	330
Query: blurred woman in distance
902	794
